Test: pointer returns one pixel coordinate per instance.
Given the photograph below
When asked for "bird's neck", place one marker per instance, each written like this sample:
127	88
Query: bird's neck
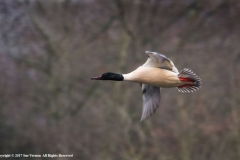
132	76
128	77
116	77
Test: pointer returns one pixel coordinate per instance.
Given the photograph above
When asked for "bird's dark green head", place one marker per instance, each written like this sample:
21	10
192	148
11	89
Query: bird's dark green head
109	76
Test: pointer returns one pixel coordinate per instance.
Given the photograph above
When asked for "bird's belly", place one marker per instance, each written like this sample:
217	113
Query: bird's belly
156	77
162	80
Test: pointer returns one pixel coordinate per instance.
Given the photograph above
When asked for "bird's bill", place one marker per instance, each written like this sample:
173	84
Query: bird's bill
97	78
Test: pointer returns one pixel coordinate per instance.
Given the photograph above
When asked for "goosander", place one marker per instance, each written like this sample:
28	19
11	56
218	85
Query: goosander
156	73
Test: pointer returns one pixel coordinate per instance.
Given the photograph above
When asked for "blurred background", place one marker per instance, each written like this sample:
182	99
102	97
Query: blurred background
49	50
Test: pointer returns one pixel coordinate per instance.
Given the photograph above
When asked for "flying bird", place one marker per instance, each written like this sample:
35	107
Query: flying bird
156	73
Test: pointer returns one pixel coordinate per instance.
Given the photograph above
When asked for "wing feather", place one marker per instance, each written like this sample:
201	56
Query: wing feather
159	61
151	100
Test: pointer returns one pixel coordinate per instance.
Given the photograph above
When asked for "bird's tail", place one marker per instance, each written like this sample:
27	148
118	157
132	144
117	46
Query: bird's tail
186	75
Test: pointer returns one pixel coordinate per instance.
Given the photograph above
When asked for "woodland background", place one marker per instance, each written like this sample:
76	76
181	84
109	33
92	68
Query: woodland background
49	50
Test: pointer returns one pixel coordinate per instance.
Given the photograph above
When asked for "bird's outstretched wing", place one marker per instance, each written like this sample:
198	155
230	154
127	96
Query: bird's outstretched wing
151	100
159	61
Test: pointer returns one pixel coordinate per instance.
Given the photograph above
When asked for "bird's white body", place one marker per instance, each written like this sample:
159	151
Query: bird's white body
155	76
